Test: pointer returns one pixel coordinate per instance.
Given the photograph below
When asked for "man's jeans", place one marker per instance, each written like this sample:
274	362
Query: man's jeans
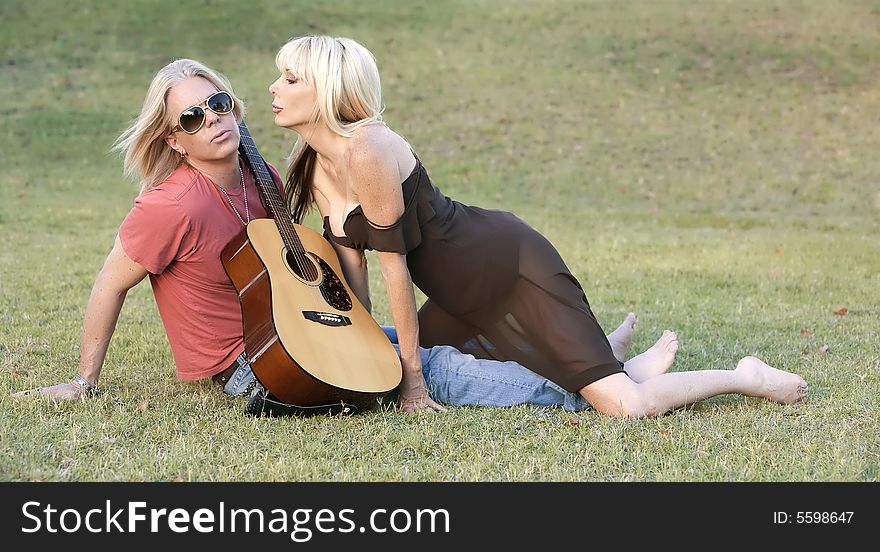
458	379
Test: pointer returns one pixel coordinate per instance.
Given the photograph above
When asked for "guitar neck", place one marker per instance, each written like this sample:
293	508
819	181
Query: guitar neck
275	203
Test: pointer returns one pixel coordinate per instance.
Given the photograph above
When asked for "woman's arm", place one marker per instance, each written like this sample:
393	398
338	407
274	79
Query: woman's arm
354	268
375	178
118	275
413	394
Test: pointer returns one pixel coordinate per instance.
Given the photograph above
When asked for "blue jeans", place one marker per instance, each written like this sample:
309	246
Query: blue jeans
458	379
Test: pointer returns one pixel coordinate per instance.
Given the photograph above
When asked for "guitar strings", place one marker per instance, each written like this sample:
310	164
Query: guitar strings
273	197
288	234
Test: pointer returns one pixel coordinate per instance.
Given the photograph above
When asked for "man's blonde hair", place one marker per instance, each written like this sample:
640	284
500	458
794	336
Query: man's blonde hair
147	158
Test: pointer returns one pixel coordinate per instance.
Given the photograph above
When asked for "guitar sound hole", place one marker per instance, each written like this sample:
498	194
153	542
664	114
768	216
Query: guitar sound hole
305	269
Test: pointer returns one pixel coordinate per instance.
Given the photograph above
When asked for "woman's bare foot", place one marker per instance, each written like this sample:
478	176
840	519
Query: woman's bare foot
621	339
655	361
762	380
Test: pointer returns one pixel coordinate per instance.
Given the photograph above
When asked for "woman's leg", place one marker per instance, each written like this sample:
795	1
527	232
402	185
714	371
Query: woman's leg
618	395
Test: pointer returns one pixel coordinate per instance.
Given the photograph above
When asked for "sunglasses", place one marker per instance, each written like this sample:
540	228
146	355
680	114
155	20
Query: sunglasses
193	118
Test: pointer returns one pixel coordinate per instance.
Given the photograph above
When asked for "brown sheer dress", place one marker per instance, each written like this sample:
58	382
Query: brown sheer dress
496	288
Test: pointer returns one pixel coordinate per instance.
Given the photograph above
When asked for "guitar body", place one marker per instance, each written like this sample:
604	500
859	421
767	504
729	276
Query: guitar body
310	341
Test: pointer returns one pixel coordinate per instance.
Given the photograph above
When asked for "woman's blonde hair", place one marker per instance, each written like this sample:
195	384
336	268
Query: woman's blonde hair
147	158
349	96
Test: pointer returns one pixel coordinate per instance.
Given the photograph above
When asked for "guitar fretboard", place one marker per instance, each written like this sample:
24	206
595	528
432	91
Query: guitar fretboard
275	203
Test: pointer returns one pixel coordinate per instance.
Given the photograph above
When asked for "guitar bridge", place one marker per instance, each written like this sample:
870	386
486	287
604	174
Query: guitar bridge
327	318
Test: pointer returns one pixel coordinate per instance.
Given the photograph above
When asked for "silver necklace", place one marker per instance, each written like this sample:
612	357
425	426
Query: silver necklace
247	213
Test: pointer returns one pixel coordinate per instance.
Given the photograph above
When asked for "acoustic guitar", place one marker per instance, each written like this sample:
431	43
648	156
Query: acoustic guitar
311	343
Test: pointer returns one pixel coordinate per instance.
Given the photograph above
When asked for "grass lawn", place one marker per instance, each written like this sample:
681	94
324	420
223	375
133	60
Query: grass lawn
711	166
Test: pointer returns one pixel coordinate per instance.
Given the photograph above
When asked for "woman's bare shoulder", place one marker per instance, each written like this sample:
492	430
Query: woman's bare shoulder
373	144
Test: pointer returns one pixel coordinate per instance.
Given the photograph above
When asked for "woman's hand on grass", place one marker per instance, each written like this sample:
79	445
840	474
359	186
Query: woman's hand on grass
413	396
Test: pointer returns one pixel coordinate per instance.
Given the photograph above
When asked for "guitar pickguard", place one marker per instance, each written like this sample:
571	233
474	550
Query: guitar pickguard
331	288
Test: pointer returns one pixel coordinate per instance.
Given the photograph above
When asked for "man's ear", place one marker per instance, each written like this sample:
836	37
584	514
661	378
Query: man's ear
175	145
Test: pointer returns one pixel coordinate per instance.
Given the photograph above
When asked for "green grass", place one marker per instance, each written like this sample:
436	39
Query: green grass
711	166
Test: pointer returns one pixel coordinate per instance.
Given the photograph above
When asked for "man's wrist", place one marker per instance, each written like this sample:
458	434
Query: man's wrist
87	388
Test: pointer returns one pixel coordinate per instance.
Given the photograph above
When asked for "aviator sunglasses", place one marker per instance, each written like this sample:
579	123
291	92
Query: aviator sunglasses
192	118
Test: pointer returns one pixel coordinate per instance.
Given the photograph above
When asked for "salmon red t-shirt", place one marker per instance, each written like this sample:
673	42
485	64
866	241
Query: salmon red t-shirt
176	231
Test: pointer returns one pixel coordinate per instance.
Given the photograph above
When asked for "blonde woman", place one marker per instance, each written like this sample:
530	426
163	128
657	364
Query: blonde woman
496	288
